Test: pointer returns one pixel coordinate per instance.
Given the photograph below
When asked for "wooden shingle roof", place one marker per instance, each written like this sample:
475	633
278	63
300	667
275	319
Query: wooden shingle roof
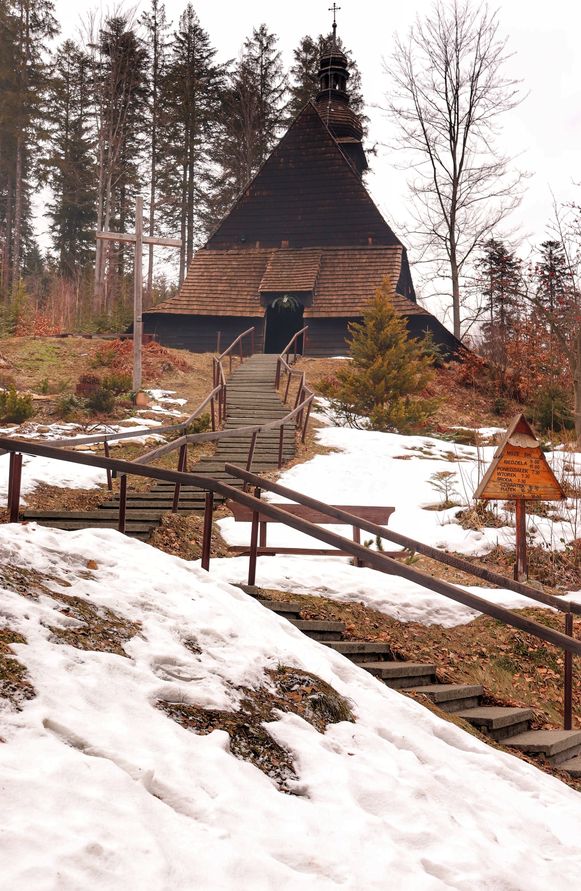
340	281
291	270
306	194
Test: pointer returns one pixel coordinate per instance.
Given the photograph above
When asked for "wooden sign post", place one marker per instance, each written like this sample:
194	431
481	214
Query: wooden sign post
138	239
519	472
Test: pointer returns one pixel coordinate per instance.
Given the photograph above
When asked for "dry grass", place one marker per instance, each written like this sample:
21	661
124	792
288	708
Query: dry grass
91	626
287	690
15	686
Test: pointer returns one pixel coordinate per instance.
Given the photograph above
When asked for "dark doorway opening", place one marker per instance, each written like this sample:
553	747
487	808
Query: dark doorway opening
281	323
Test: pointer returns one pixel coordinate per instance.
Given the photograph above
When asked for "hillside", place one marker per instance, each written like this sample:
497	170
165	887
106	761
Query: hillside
144	802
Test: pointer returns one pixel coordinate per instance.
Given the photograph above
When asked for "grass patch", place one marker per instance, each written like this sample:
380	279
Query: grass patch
15	687
290	690
93	627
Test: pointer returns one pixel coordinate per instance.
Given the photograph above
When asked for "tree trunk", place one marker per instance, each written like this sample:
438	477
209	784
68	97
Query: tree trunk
18	211
455	275
577	385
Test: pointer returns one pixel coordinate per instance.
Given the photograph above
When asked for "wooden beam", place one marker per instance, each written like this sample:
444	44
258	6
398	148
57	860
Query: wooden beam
138	294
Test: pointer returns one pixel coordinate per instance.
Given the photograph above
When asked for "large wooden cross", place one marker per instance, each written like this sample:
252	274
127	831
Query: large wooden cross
138	239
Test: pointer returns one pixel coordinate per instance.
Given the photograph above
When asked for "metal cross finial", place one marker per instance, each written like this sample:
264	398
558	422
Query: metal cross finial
334	9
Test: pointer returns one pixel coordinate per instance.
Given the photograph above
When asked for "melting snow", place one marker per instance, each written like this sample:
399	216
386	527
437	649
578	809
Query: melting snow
102	790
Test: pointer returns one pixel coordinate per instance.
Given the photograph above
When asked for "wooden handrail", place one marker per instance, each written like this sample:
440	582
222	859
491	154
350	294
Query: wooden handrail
235	342
291	342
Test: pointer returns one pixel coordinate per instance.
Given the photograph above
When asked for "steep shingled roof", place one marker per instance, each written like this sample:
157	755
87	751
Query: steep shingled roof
306	194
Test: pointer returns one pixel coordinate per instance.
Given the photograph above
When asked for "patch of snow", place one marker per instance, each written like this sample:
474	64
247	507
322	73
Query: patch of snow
102	790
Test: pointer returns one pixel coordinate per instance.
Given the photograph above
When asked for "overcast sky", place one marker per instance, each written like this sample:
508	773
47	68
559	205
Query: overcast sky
544	37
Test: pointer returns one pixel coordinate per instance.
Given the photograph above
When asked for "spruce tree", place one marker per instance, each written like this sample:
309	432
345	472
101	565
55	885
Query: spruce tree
25	31
500	282
191	91
253	113
388	371
155	28
70	162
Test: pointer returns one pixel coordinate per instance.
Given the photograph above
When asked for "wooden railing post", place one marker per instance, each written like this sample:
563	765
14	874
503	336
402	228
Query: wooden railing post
109	474
122	502
207	536
213	415
277	376
14	484
288	380
568	678
253	543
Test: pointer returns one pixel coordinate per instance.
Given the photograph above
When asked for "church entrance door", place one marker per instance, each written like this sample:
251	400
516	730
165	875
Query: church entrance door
281	323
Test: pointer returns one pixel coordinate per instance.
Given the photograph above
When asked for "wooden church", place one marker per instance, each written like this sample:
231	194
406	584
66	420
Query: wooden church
304	244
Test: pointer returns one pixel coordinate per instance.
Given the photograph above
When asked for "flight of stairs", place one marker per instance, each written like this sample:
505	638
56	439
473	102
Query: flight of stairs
251	399
506	725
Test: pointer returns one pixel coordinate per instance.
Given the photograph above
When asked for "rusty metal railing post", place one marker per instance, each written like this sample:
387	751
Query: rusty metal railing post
207	535
253	543
251	451
280	445
568	678
307	415
277	376
14	484
122	502
182	468
288	381
213	415
108	471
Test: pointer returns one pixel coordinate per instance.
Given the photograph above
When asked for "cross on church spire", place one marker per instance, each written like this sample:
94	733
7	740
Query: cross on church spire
334	9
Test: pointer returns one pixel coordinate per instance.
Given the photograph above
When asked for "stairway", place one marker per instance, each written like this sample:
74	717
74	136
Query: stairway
251	399
508	726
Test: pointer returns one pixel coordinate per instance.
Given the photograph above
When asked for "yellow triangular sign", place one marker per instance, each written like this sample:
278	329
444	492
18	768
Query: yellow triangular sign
519	469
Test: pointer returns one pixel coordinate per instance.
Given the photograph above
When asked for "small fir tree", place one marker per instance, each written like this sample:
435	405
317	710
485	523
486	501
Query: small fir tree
388	372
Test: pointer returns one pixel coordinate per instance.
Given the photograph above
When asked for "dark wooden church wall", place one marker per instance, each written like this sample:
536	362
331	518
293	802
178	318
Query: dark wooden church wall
450	347
199	334
326	337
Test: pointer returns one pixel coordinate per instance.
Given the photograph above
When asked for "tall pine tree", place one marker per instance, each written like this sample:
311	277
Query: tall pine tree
253	114
192	87
71	162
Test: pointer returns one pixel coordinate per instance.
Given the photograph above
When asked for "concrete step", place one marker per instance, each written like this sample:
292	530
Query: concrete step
362	650
281	608
400	675
319	630
557	746
498	722
572	766
452	697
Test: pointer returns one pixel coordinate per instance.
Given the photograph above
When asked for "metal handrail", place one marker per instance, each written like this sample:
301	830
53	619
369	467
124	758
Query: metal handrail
338	514
375	559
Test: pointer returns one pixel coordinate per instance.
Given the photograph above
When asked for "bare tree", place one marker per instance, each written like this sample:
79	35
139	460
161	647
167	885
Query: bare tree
449	91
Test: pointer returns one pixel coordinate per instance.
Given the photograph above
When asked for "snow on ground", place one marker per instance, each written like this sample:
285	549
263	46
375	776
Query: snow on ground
369	468
102	790
76	476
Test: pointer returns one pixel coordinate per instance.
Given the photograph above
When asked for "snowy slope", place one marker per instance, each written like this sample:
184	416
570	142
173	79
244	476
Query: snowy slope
102	790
